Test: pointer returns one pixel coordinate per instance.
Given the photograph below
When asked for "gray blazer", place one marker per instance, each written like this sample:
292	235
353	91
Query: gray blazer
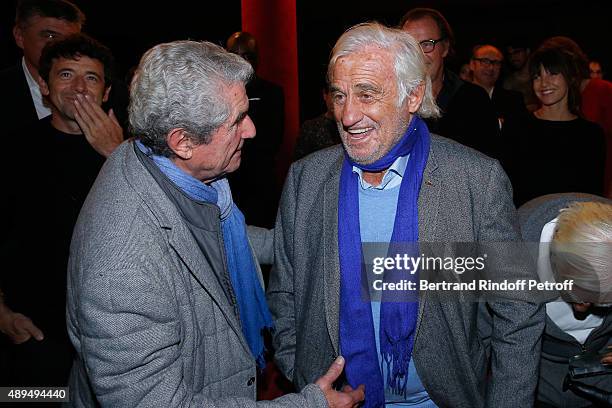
465	197
146	313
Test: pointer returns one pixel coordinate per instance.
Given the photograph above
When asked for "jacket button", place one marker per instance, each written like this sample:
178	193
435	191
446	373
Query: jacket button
251	381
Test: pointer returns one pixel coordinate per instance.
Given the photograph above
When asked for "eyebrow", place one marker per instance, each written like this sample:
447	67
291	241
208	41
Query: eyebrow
368	87
240	117
47	32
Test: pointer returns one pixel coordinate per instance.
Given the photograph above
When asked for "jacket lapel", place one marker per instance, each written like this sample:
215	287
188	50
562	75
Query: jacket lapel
331	260
429	203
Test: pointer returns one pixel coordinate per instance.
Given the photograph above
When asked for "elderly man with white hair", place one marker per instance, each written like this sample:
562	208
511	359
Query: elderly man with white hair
392	182
574	232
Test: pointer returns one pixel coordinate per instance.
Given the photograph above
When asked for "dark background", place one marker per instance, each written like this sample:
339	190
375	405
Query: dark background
131	27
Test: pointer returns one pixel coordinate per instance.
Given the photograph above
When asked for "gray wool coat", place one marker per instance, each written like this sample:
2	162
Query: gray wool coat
465	197
146	311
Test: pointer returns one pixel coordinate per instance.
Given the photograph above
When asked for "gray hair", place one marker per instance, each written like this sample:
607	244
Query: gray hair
410	68
181	84
581	248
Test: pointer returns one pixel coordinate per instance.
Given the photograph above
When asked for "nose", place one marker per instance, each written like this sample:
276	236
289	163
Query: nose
79	84
350	113
248	130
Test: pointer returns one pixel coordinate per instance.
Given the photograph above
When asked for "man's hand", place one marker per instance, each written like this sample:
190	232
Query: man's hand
17	327
348	397
102	131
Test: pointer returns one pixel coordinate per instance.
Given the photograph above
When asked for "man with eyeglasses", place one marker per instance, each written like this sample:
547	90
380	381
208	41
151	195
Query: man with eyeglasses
457	99
486	65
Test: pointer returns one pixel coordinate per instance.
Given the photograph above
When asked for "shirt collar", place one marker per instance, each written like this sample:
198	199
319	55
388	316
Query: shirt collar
42	111
392	178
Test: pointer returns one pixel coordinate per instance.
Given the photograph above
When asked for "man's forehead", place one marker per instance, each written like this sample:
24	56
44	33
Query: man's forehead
79	61
53	23
369	59
489	52
423	27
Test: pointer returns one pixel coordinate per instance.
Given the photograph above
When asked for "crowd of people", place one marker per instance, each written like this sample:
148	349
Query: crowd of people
137	234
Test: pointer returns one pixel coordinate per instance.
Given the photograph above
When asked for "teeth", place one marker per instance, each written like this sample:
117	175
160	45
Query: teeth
358	131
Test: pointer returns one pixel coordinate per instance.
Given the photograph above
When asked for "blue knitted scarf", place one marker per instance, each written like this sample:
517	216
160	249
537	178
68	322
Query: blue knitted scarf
398	315
255	316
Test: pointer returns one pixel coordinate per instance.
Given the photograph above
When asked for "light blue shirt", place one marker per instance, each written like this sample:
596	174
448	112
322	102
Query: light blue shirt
377	208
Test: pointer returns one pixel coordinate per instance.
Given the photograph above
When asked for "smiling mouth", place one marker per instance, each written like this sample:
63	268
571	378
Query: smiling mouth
358	134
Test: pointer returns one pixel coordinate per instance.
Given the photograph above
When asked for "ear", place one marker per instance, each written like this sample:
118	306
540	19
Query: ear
180	143
42	84
106	93
415	98
446	46
18	35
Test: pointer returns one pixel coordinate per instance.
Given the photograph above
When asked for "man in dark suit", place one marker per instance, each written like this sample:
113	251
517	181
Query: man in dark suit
458	100
255	182
41	204
37	23
486	65
394	182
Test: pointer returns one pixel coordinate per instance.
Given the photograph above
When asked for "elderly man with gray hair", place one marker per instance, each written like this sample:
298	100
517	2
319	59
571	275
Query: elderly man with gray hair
165	299
393	182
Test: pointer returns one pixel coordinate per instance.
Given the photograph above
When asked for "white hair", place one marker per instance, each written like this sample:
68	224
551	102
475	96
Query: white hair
410	68
581	248
181	84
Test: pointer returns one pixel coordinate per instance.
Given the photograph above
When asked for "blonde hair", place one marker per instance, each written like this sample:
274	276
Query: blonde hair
581	248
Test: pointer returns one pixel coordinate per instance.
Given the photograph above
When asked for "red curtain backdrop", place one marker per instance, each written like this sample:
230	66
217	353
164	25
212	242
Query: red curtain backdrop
273	23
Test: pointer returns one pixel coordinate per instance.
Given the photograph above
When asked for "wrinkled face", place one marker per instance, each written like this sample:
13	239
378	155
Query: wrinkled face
70	77
551	89
517	57
427	29
486	66
595	70
222	154
38	31
365	98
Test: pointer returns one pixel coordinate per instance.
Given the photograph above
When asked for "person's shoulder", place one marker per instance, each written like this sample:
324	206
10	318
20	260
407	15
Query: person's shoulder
11	71
472	91
321	158
451	151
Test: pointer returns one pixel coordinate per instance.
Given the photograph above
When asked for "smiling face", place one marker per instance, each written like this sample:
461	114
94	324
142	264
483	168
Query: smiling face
222	155
486	66
69	78
365	97
33	35
551	89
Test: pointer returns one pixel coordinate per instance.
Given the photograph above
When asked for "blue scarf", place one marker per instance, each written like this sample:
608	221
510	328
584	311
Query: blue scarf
398	316
254	313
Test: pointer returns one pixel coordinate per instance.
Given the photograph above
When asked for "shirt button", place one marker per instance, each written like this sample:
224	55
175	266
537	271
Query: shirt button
251	381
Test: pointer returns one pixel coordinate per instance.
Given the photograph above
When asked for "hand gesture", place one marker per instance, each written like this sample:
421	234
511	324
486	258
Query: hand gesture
102	131
348	397
17	327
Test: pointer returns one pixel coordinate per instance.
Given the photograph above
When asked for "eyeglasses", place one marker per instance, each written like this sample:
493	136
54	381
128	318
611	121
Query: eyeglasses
429	45
488	62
